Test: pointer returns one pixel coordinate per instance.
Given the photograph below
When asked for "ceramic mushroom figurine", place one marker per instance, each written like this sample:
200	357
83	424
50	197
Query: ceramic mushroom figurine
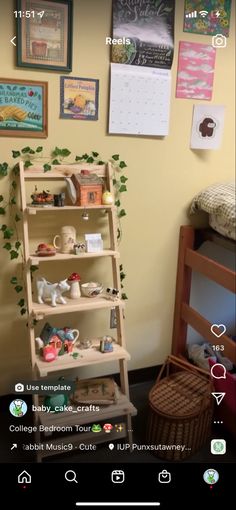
74	280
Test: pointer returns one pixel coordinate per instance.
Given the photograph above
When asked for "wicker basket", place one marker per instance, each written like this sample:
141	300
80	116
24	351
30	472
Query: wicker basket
180	410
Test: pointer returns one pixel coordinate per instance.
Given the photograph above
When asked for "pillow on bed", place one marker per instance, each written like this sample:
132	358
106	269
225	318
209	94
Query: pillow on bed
217	199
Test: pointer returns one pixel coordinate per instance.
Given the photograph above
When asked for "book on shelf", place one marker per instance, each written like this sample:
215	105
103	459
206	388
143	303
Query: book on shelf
101	391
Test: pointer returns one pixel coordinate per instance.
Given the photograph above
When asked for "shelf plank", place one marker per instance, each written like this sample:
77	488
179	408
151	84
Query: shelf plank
75	305
35	260
121	408
86	357
35	209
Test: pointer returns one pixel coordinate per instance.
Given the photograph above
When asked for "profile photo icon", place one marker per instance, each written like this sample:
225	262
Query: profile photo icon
219	41
18	408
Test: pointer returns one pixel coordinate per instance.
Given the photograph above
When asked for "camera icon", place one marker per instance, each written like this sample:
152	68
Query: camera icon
19	387
219	41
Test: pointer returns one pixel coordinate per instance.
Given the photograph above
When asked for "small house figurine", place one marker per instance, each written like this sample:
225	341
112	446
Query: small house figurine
85	188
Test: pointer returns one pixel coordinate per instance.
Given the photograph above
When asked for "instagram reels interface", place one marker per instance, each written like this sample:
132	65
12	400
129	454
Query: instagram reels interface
118	230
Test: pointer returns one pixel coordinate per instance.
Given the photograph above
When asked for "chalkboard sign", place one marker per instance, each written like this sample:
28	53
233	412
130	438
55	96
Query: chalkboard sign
146	28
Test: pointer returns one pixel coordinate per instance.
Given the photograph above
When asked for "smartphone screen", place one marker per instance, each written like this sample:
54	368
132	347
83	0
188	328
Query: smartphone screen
117	220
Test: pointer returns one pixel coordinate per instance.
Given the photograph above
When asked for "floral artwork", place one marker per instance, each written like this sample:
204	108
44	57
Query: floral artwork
195	71
212	17
79	98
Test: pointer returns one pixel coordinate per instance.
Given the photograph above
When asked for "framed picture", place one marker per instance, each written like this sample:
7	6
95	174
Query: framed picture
23	108
79	98
44	34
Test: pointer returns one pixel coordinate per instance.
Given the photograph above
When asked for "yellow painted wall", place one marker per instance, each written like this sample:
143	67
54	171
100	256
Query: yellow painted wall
164	174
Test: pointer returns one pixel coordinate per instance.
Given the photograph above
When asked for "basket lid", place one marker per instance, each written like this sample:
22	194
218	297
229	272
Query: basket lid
181	394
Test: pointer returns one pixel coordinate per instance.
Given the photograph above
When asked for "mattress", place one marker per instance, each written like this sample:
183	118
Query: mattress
218	200
222	226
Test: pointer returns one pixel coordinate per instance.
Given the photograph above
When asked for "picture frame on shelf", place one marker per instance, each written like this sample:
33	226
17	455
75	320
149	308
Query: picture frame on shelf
79	98
23	108
44	34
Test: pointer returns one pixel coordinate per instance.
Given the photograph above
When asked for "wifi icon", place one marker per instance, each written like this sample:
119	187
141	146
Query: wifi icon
203	14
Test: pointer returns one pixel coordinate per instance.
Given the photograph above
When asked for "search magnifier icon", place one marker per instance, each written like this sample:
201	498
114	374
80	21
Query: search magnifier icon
70	476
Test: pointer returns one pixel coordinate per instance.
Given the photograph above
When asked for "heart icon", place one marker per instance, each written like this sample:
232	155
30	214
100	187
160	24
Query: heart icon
218	329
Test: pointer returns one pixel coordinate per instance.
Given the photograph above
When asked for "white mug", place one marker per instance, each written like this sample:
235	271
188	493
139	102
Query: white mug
67	240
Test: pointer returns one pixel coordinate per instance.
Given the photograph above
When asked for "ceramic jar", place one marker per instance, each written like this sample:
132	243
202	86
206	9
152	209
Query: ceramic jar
67	239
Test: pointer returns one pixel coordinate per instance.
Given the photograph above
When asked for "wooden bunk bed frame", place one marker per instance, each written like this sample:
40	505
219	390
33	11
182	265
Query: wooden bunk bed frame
190	260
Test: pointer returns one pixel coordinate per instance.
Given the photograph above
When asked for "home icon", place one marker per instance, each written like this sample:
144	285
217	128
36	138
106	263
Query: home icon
24	477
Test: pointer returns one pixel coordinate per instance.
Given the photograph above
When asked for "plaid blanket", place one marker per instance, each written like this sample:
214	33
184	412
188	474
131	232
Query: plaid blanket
217	199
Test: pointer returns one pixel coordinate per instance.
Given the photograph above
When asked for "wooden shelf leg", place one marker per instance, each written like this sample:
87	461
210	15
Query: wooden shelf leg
182	293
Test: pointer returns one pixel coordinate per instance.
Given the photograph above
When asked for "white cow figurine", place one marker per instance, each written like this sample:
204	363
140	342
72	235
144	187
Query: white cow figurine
52	291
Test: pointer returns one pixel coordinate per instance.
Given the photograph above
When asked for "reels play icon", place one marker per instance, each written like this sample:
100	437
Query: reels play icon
118	476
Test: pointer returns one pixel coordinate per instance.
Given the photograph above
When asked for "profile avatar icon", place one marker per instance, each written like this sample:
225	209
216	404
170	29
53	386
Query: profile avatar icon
211	476
18	408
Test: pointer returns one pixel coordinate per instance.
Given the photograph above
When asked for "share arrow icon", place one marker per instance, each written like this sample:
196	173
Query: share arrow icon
219	397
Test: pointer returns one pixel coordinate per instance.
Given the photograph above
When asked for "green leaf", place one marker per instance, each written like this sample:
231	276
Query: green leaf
116	157
123	179
14	254
31	151
90	159
56	152
56	162
1	198
33	268
121	267
122	188
17	217
39	149
7	246
13	280
17	245
114	181
65	153
13	201
117	203
3	228
15	154
25	150
85	156
122	275
8	233
124	296
2	210
47	167
16	170
18	288
21	302
118	234
14	184
121	213
95	154
101	162
28	163
3	169
23	311
122	164
78	158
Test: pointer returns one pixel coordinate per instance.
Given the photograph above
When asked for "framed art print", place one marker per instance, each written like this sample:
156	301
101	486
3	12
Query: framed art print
23	108
79	98
44	34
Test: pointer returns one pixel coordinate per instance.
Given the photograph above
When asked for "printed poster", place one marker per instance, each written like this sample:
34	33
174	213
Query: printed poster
78	98
195	73
210	17
207	126
149	27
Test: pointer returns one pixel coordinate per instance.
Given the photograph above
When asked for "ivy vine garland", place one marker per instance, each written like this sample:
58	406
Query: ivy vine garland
11	232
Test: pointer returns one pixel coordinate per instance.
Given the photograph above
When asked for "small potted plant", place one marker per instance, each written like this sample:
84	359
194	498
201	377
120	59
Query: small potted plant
74	280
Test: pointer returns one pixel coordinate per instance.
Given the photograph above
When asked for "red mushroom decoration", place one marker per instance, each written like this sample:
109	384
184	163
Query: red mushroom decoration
74	280
107	427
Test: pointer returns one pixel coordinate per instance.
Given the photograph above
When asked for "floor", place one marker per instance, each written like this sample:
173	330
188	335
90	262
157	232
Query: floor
139	397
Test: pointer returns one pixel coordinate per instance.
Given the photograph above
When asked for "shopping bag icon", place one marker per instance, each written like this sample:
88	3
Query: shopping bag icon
164	476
